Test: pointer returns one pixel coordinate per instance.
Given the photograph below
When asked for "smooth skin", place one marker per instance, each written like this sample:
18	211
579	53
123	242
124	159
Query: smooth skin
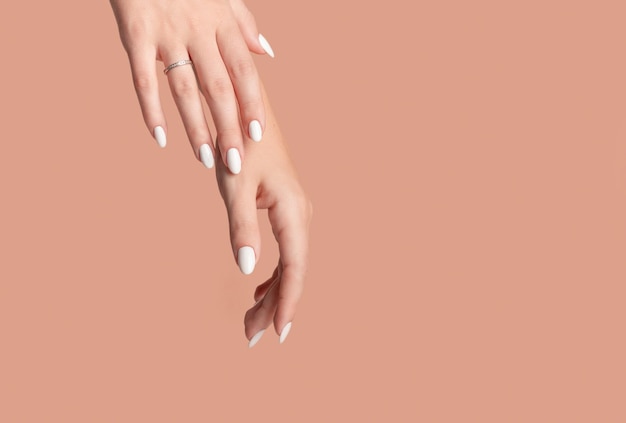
269	182
217	35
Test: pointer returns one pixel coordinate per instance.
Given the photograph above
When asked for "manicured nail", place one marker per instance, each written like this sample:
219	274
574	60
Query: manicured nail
234	160
285	332
256	133
266	46
206	156
256	338
159	135
246	260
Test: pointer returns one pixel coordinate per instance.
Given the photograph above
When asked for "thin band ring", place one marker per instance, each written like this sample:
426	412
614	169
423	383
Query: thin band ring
175	64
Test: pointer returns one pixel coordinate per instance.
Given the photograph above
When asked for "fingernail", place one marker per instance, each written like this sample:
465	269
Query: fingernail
266	46
159	135
285	332
234	160
246	260
256	133
206	156
256	338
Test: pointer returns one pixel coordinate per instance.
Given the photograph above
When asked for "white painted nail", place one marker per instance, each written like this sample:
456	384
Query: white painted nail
159	135
256	338
234	160
206	156
266	46
256	133
246	260
285	332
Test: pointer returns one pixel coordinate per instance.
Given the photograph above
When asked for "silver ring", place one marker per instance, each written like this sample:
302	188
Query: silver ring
175	64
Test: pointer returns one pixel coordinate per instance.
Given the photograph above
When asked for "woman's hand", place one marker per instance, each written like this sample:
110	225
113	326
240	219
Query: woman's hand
216	35
269	182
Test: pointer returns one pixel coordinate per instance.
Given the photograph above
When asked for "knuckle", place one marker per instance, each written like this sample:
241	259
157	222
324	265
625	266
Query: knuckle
142	82
251	105
134	33
229	137
241	226
218	88
196	25
295	269
284	299
136	29
243	69
183	87
198	134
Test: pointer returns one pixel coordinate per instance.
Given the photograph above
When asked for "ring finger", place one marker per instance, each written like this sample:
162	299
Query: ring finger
184	88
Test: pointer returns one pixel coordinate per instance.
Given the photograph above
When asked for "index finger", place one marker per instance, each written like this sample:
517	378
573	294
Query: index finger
290	223
245	81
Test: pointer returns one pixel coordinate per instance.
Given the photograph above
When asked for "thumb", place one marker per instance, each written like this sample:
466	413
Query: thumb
256	42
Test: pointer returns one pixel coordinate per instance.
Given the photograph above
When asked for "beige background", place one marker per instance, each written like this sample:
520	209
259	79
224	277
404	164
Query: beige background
467	163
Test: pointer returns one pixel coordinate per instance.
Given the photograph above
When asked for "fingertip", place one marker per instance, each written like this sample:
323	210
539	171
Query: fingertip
159	135
233	160
206	156
255	131
254	43
245	237
284	332
256	338
265	45
246	259
248	27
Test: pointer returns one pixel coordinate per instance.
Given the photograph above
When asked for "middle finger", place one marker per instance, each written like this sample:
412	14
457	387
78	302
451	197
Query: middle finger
218	91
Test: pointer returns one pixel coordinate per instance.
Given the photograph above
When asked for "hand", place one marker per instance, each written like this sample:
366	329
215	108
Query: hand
216	36
269	182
